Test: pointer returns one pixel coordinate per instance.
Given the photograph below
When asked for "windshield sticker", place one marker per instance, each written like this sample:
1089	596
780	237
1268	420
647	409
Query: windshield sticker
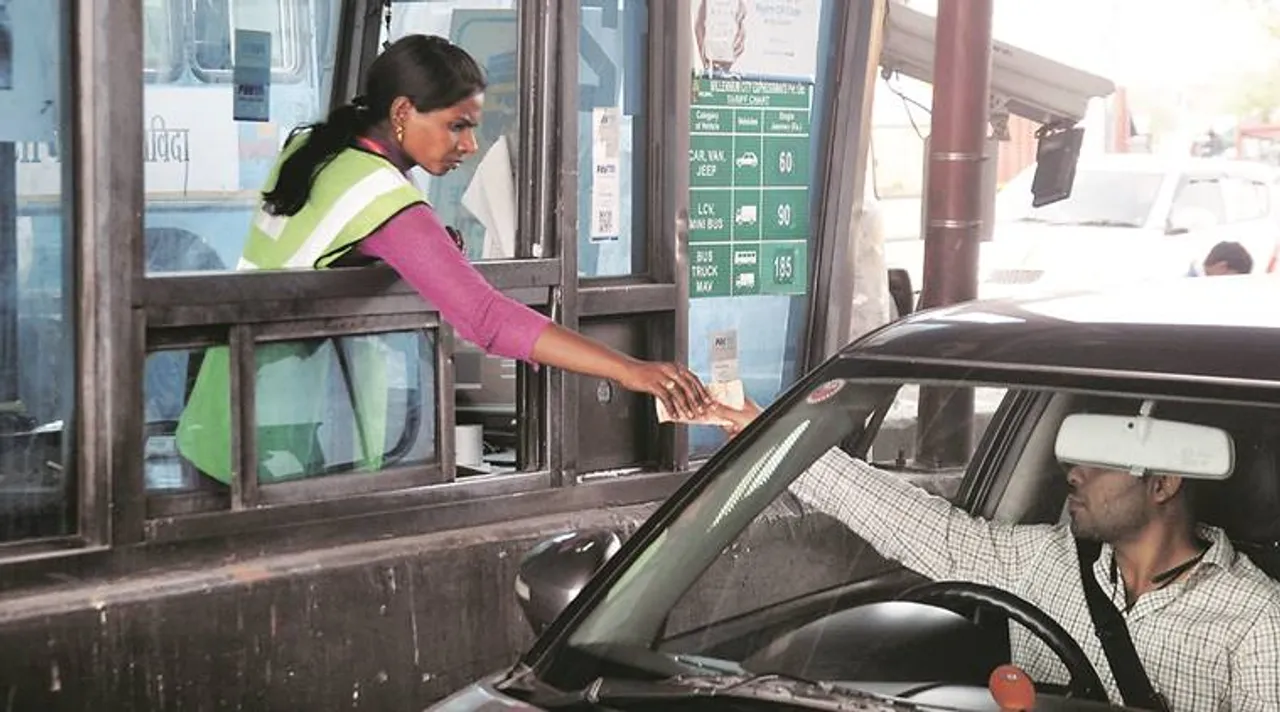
824	392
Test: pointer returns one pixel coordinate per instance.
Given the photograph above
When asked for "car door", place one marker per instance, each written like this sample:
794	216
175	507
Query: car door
1250	218
1197	220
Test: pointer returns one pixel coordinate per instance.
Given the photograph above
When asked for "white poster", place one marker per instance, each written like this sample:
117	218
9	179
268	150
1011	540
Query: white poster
606	188
183	151
29	70
724	356
766	39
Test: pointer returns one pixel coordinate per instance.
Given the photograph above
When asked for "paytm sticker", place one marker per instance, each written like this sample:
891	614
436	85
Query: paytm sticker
824	392
252	76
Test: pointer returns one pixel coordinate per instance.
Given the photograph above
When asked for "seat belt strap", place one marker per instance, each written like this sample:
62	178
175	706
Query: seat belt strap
1113	633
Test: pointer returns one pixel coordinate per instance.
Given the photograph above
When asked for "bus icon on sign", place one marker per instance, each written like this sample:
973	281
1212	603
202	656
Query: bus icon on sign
746	215
745	257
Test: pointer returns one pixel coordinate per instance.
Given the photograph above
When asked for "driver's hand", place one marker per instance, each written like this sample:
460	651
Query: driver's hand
738	419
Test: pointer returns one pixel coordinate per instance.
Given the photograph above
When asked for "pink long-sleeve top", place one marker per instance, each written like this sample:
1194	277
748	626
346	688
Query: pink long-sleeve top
417	246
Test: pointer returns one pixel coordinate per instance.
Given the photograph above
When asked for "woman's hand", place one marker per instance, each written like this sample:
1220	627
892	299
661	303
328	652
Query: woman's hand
676	386
738	419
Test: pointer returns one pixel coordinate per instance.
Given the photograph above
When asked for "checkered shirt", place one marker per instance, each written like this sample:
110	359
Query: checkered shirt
1210	641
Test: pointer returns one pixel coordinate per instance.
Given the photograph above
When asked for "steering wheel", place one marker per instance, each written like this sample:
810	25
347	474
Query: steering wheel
1085	683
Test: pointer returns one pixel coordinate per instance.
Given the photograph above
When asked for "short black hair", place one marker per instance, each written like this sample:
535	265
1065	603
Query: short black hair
1233	253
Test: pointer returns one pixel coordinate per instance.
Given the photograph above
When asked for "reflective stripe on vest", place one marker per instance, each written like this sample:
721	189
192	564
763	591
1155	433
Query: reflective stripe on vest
354	195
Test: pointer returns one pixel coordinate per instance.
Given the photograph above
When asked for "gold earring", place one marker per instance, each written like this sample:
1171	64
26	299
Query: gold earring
399	133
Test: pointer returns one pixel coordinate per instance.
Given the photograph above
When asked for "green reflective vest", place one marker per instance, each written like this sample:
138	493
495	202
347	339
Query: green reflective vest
304	391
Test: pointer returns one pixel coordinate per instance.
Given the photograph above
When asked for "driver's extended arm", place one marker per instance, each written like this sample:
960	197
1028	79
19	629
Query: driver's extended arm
923	532
1253	666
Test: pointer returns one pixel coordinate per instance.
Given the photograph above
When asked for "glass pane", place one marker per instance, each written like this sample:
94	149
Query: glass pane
754	171
323	406
342	405
167	382
898	443
204	169
822	537
479	197
37	338
611	122
487	415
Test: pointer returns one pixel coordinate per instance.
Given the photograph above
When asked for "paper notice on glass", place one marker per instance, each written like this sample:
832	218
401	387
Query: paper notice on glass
729	394
606	186
252	76
491	199
724	356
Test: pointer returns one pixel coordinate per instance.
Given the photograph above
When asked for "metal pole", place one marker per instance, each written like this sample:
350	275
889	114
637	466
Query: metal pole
961	85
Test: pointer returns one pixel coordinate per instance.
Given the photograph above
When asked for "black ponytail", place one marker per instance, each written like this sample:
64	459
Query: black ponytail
323	141
431	71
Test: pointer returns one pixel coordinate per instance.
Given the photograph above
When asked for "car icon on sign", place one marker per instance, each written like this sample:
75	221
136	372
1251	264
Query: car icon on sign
748	159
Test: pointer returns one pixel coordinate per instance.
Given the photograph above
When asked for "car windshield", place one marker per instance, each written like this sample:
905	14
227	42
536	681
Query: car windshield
769	570
1105	198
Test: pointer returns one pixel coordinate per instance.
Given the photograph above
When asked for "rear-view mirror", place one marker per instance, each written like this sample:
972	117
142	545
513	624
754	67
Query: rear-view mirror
1141	444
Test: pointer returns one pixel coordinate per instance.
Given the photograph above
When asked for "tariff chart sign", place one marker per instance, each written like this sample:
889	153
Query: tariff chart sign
749	187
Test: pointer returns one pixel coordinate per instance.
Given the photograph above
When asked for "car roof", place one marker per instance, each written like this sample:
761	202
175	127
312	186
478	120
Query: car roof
1146	162
1205	327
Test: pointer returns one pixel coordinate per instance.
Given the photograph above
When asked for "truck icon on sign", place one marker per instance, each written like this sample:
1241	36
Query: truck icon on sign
746	215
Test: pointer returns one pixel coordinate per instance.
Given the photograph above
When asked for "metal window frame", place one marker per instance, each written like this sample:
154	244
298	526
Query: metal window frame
107	185
846	146
656	297
123	313
243	309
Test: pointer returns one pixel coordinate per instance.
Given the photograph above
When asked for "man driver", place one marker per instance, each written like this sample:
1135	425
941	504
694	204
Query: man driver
1204	620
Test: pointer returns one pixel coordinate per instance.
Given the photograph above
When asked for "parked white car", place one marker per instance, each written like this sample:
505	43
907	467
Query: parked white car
1130	217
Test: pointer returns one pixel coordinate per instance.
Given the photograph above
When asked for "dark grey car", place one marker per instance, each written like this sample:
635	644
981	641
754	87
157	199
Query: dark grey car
739	594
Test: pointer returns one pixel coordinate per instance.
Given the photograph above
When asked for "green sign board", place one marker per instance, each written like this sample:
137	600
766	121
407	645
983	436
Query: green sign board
749	188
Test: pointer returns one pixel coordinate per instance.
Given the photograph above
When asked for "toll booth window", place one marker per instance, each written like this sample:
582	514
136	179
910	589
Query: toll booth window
331	406
37	338
207	158
479	197
611	123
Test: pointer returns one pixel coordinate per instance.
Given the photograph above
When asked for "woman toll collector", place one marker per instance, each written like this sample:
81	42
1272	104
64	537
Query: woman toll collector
337	196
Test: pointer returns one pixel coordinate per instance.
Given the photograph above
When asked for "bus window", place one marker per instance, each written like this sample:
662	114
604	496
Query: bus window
204	170
161	58
214	25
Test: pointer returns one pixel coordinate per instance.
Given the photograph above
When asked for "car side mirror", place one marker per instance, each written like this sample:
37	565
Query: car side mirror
1190	219
554	572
